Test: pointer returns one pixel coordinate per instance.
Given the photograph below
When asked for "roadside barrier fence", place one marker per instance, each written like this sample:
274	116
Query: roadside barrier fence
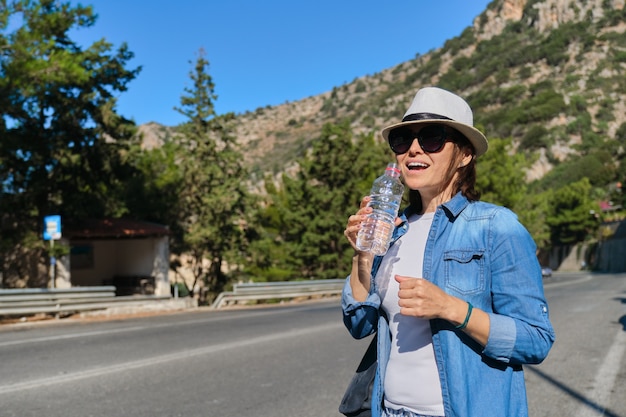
59	301
66	301
279	290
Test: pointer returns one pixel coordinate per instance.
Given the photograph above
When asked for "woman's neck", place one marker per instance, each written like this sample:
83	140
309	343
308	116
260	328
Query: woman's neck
431	202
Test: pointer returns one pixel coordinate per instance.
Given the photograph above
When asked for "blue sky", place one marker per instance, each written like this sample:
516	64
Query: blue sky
265	52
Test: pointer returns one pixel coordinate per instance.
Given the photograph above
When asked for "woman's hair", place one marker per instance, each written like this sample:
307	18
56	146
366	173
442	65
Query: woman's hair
466	178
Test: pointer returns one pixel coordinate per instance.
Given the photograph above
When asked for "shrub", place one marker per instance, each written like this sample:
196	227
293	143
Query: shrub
536	137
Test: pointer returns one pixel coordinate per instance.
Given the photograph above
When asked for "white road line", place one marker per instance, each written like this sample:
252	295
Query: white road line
598	397
69	336
156	360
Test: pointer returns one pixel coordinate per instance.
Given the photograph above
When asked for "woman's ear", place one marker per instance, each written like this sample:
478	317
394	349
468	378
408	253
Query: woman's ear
467	158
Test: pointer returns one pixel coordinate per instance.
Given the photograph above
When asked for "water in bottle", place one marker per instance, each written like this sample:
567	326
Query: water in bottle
385	198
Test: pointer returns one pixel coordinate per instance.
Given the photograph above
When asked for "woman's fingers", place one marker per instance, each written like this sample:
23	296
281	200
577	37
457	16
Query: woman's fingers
355	221
353	226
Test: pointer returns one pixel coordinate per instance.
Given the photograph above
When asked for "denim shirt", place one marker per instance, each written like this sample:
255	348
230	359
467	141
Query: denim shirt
478	252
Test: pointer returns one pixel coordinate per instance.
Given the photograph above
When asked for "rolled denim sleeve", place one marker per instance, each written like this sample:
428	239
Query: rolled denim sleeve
502	337
520	329
360	318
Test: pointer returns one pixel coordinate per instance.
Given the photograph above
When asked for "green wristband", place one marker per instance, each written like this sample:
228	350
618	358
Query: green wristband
470	307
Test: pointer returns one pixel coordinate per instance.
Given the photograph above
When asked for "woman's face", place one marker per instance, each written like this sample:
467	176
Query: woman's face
427	171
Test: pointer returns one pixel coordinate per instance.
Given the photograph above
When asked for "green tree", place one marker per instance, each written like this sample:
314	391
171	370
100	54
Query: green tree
213	197
532	211
63	144
501	178
306	217
318	203
269	251
153	193
571	213
599	169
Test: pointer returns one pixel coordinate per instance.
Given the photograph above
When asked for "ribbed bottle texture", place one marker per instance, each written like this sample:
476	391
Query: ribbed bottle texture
385	198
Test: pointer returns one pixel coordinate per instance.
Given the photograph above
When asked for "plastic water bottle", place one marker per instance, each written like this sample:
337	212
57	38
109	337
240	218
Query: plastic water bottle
385	197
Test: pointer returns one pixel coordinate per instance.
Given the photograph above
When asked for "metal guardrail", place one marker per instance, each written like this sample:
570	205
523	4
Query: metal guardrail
278	290
30	301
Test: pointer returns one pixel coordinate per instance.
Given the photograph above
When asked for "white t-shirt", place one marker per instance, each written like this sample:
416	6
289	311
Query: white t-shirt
411	379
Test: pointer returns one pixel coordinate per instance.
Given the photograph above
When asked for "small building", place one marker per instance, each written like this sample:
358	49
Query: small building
131	255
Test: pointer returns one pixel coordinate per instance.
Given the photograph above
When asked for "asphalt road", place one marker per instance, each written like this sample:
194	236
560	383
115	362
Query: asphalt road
281	361
585	372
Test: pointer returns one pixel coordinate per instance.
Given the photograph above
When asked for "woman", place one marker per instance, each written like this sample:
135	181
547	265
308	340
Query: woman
457	301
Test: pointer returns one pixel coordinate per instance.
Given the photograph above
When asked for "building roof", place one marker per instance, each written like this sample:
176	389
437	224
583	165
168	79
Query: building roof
113	229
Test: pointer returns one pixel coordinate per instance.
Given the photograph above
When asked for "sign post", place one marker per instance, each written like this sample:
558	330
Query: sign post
52	232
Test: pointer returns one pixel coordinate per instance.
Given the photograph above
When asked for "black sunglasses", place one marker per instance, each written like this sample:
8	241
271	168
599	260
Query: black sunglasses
431	138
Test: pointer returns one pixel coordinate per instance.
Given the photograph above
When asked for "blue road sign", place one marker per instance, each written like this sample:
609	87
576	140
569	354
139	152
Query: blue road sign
52	227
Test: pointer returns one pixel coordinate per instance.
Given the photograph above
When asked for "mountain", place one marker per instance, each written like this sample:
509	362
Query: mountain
547	73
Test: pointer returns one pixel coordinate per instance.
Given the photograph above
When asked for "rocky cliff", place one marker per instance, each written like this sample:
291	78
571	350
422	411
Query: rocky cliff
555	66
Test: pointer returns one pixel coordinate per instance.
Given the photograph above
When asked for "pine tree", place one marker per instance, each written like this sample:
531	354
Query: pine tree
63	144
213	197
306	217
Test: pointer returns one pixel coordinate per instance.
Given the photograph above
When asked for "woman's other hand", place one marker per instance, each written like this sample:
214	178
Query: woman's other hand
421	298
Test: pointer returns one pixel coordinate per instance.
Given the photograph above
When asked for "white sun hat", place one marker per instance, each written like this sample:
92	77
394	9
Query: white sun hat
435	105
